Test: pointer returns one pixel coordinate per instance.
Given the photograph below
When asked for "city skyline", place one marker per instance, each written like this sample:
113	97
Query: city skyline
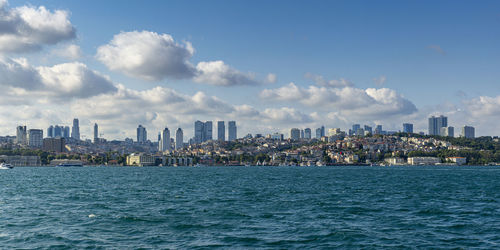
368	70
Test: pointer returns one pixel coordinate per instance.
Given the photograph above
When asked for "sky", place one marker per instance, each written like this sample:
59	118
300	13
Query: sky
268	65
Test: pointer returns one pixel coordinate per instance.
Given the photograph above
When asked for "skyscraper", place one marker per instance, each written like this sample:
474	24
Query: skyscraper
65	132
179	139
207	135
468	132
96	133
407	128
75	130
231	131
21	135
35	138
318	133
323	131
436	123
165	140
221	131
50	131
307	133
447	131
58	131
295	134
142	134
378	129
198	131
368	129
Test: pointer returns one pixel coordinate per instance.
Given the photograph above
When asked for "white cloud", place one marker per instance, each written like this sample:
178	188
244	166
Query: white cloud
63	80
320	80
271	78
71	52
29	28
219	73
147	55
151	56
348	100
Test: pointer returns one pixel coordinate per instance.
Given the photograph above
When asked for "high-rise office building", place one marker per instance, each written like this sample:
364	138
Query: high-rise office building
21	135
199	128
221	131
96	133
307	133
323	131
295	134
207	135
75	130
368	129
436	123
301	134
355	127
468	132
142	134
231	131
318	133
50	131
447	131
35	138
407	128
333	131
65	132
378	130
179	139
58	131
165	140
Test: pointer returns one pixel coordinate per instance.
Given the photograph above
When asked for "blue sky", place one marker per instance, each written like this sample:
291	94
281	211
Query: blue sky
442	56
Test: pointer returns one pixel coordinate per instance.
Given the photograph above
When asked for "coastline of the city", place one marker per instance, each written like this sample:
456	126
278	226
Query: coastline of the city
359	145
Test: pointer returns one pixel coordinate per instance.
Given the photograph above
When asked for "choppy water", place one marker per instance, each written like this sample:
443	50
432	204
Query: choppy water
250	207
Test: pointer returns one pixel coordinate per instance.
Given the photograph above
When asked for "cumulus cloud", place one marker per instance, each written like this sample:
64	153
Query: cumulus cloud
219	73
28	28
271	78
151	56
63	80
71	52
320	80
147	55
350	101
285	115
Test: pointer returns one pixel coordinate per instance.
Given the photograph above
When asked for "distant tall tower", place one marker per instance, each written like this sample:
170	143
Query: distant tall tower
165	140
96	133
142	134
208	131
198	131
407	128
21	135
179	139
65	132
307	133
50	131
436	123
231	131
75	130
58	131
221	131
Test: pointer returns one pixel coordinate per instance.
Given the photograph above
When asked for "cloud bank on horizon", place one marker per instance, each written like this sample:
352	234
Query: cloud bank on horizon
54	94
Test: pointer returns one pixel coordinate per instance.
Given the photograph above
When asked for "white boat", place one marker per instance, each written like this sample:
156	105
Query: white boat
4	165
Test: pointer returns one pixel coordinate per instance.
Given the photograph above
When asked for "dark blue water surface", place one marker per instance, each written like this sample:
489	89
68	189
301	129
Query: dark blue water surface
250	207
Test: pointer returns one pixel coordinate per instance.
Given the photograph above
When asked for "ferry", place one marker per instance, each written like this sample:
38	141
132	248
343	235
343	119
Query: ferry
70	165
4	165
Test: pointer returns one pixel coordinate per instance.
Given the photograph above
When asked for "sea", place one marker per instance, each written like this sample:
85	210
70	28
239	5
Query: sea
250	207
